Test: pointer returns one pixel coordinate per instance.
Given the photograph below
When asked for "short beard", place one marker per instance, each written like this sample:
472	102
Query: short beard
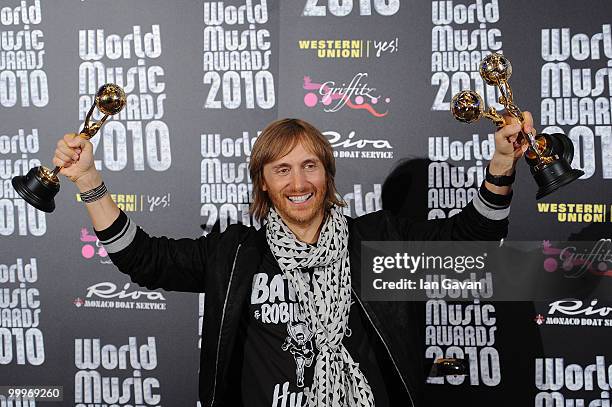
301	219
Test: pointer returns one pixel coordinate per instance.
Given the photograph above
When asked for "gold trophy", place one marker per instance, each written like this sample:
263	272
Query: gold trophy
548	155
41	184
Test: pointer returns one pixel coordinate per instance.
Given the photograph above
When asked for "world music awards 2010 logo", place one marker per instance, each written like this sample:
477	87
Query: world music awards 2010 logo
356	95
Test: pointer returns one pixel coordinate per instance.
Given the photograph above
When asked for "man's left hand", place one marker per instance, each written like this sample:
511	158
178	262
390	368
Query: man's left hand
509	147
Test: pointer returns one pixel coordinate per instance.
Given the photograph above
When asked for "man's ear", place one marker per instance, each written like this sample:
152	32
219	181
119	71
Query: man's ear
264	187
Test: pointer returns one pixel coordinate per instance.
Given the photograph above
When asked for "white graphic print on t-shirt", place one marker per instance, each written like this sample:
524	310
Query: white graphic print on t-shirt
299	343
277	323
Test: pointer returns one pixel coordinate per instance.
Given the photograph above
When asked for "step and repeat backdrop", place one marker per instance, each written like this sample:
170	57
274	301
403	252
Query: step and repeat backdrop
203	78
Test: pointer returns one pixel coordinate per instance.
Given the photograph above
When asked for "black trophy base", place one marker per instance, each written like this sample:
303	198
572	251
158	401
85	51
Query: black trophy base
35	191
554	176
448	367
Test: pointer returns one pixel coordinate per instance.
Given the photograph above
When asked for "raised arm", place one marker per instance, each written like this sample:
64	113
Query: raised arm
153	262
484	218
508	150
158	262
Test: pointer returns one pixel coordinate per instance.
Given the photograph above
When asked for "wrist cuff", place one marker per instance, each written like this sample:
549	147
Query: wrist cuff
119	235
495	199
491	205
113	229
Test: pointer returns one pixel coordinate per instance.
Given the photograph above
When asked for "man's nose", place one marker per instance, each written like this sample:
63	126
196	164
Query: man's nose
299	180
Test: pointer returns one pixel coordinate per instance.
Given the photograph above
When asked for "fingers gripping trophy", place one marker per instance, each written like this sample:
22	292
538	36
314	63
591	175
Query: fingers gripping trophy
548	155
40	185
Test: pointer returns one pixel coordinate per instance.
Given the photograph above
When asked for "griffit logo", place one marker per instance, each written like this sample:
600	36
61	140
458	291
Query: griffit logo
92	247
357	95
580	258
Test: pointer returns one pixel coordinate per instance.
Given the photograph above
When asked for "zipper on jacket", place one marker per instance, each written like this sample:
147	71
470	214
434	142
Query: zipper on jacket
221	329
385	344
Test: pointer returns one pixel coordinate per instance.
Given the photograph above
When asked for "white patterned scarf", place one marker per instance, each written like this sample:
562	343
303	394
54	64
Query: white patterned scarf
337	380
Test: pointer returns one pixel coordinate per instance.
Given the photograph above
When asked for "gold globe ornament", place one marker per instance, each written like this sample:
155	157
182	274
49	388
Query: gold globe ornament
495	69
467	106
110	99
40	185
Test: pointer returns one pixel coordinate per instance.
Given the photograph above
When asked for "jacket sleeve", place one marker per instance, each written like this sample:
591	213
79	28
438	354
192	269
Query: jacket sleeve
157	262
484	218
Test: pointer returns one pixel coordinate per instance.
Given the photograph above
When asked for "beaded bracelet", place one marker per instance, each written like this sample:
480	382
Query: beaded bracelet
94	194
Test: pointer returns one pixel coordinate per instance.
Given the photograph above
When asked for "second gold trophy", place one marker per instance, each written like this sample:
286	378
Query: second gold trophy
548	156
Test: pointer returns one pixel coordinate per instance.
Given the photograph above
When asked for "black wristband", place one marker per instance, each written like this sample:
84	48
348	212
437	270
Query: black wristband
500	180
94	194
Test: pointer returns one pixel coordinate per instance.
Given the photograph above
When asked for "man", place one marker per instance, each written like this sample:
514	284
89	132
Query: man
300	269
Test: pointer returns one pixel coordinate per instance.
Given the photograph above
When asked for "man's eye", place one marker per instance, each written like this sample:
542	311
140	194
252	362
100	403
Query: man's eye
283	171
310	166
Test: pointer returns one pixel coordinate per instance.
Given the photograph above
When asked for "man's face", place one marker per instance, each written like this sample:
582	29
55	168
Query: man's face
296	185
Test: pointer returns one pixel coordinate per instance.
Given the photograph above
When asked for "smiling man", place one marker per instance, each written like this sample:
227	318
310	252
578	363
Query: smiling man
285	324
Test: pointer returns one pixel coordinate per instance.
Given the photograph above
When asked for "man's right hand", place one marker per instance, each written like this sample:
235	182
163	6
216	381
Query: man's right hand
75	155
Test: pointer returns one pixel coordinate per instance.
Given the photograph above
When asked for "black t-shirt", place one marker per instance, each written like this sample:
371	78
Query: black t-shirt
280	352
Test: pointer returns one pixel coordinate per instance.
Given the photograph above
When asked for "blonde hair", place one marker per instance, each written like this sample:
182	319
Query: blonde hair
276	141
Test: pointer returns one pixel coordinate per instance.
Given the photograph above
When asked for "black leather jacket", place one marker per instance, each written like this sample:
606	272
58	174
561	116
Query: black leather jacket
223	265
